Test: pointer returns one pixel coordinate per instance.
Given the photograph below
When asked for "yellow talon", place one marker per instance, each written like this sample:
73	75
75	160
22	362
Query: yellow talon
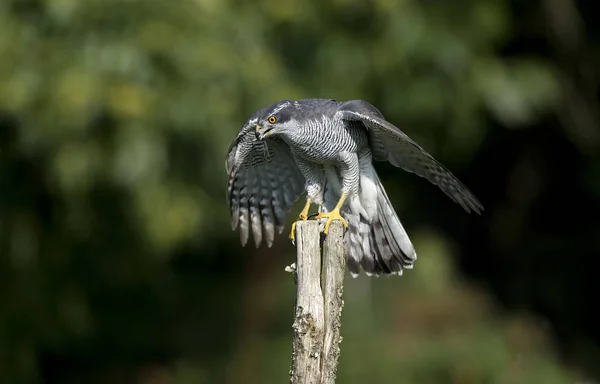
333	215
302	216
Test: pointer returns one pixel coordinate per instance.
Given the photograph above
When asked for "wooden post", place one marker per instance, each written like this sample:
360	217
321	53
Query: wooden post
334	268
317	322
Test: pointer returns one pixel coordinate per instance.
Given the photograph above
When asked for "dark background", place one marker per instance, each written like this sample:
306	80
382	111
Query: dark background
117	262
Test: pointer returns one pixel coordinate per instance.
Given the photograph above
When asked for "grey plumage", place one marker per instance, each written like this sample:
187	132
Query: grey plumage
326	148
264	182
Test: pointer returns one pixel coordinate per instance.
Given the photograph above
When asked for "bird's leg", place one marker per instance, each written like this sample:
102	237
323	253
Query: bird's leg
334	214
302	216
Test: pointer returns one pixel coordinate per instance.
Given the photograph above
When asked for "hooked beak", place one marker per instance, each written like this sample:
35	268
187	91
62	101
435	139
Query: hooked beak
261	132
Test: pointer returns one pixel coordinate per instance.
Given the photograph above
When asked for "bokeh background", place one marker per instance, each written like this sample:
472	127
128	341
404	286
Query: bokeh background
117	261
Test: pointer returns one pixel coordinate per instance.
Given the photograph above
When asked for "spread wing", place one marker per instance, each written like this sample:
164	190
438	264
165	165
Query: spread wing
264	182
391	144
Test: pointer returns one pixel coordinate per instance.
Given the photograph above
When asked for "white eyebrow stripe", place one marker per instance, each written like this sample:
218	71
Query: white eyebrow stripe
279	108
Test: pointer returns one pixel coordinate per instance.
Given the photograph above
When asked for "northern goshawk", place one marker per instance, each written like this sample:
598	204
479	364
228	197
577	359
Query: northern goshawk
327	148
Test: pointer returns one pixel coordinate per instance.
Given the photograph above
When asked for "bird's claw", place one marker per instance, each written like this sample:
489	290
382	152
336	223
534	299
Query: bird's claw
303	216
330	216
293	233
292	236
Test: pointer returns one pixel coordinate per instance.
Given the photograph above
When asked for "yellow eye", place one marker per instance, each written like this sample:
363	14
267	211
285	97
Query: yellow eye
272	119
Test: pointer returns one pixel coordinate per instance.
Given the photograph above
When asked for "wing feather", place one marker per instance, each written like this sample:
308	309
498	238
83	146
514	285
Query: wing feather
263	184
391	144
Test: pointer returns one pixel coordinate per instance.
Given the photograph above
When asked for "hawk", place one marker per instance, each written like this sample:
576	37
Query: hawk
326	149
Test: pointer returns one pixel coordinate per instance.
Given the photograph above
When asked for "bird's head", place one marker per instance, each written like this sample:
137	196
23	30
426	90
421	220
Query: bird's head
277	119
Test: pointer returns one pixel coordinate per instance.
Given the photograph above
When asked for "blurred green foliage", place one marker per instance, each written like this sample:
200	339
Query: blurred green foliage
116	257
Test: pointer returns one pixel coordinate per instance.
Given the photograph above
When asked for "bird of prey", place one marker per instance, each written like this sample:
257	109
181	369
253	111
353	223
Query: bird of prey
326	149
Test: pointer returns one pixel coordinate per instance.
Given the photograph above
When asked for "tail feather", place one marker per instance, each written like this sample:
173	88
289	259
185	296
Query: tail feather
383	248
402	249
377	244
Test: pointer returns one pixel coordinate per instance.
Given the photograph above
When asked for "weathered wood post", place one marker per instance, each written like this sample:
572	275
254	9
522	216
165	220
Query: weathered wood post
319	303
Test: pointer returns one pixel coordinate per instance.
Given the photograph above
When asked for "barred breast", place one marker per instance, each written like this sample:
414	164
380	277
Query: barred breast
322	140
